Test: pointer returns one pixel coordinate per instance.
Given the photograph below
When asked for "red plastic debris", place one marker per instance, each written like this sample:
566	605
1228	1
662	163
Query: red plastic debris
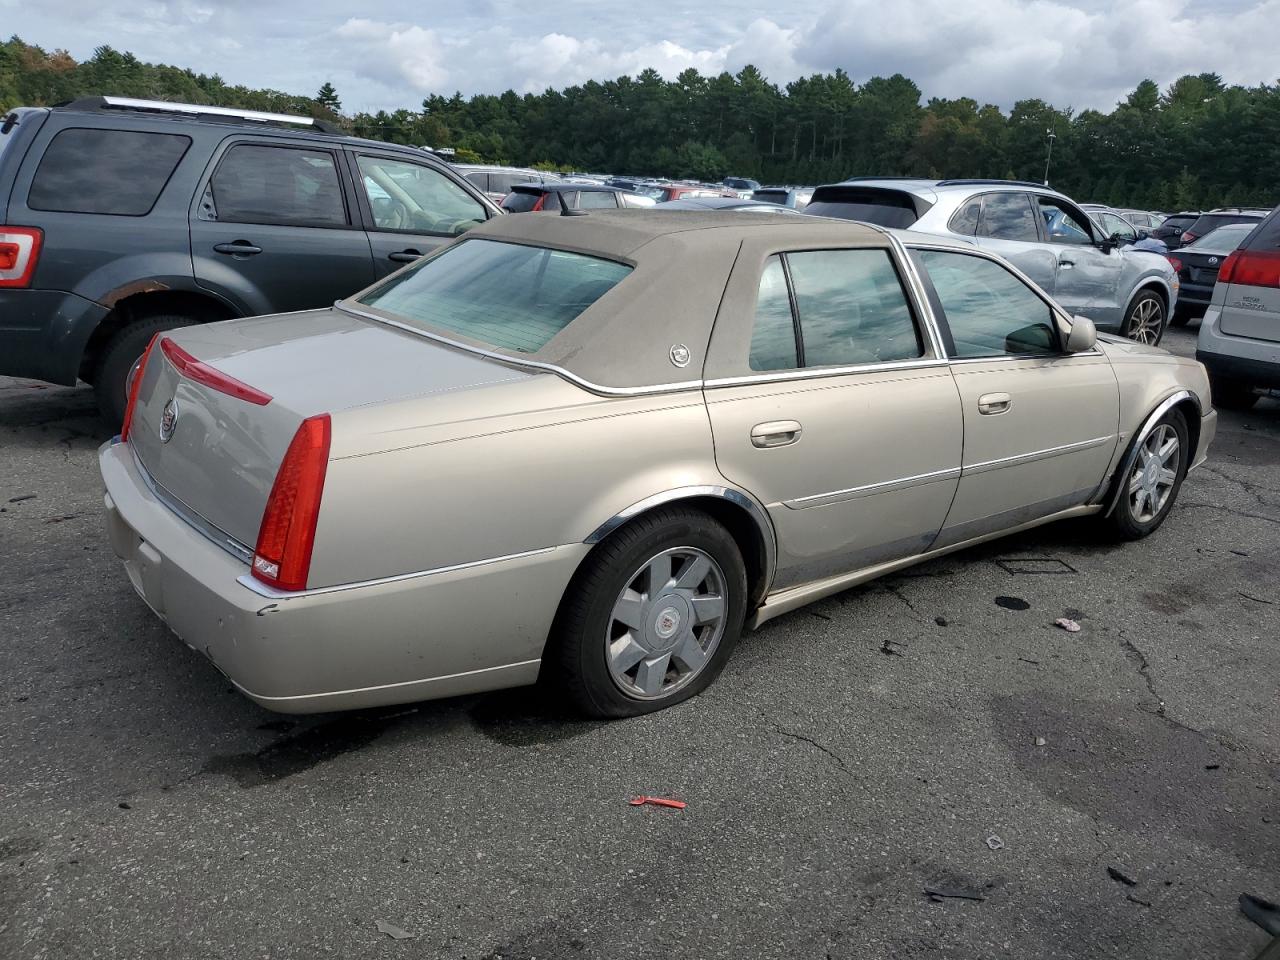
658	802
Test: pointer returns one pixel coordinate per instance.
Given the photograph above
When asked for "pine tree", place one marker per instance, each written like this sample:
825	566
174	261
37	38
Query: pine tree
327	97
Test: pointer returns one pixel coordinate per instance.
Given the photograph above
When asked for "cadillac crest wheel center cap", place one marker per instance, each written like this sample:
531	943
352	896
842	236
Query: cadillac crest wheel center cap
667	623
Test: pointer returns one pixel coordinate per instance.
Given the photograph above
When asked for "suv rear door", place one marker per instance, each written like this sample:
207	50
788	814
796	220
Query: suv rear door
1006	225
409	206
1251	305
274	229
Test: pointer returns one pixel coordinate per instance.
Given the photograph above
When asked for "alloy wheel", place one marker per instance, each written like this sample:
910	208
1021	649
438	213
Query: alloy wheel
666	623
1155	471
1146	321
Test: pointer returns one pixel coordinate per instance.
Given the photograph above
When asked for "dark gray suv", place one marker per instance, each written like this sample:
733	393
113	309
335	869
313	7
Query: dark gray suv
121	217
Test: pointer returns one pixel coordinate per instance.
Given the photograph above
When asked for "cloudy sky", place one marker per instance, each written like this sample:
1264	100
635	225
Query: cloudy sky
382	54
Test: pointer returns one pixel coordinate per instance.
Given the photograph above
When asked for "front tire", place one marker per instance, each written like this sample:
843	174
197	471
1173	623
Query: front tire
1145	321
1150	486
651	618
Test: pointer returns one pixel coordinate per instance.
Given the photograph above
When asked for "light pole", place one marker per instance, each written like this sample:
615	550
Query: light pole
1049	155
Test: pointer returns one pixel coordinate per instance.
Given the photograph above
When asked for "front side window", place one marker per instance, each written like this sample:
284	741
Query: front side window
504	295
1063	224
988	310
280	185
1008	216
116	172
421	200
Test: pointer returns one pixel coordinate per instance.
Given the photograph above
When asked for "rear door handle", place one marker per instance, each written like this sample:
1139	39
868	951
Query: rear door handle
240	248
991	404
404	256
775	433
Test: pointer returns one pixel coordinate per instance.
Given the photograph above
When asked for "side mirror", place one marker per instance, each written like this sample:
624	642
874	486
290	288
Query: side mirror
1083	335
1107	244
1144	234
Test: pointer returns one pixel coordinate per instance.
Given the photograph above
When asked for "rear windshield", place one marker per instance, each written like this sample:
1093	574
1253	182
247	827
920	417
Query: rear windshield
506	295
885	208
1215	220
520	201
770	196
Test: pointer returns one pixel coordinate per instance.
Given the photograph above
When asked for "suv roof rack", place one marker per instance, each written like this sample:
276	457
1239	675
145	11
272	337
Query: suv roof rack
978	181
198	110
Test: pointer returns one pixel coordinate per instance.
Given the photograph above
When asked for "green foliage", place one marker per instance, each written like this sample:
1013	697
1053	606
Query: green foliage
1199	143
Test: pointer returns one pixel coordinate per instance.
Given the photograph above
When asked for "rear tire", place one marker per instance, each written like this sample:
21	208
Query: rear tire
651	618
1145	321
111	372
1149	488
1232	394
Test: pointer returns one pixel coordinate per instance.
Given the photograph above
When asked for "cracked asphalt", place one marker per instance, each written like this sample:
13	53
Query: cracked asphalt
1107	793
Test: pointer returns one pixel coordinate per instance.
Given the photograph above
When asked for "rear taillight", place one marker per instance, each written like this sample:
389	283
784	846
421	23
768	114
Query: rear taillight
1188	237
1175	263
282	558
538	206
214	379
19	251
134	384
1253	268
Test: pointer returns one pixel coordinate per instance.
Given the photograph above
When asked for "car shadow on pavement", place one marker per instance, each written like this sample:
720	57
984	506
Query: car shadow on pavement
38	415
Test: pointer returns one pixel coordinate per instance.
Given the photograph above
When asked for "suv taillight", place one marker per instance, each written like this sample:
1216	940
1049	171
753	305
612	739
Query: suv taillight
1188	237
19	251
1175	263
1253	268
134	384
282	558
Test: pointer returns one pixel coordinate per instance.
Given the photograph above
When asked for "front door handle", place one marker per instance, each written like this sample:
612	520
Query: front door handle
240	248
1066	264
775	433
990	404
404	256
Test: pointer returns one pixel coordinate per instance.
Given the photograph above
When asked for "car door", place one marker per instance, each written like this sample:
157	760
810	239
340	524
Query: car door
1040	425
830	402
273	227
1089	271
410	207
1117	228
1004	222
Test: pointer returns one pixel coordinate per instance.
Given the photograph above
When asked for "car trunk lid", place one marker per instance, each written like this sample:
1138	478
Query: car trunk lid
215	416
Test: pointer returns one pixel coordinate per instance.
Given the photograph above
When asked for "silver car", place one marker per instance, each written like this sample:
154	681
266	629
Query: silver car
1240	333
593	448
1043	233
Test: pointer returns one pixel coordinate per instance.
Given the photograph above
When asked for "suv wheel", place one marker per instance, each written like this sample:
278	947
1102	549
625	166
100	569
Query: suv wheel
1232	394
122	352
1145	321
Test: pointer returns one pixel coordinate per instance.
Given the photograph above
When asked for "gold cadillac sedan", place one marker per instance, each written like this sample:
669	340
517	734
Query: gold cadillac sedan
593	449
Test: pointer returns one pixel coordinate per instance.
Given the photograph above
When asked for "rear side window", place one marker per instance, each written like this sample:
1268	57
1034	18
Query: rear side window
1008	216
506	295
479	180
1267	236
117	172
965	222
850	309
597	199
281	185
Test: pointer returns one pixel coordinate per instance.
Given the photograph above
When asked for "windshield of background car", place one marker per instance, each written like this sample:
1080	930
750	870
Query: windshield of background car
1224	238
506	295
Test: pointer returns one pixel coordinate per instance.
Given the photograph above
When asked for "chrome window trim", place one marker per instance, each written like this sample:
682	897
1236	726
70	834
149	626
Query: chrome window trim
1149	424
538	365
215	535
738	497
246	580
987	465
815	373
871	489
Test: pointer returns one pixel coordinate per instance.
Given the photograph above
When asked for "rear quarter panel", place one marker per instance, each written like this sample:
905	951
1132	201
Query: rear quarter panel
456	479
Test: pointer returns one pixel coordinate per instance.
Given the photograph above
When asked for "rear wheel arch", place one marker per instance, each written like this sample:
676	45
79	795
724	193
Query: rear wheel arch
745	519
138	307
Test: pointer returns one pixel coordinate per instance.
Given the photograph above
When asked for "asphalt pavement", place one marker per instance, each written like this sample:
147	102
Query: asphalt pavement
1107	793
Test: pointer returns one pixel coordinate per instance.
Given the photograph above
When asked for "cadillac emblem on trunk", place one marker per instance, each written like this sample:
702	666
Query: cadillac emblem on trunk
168	420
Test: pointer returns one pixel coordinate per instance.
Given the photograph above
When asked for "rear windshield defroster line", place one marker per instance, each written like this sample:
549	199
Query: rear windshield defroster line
505	295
